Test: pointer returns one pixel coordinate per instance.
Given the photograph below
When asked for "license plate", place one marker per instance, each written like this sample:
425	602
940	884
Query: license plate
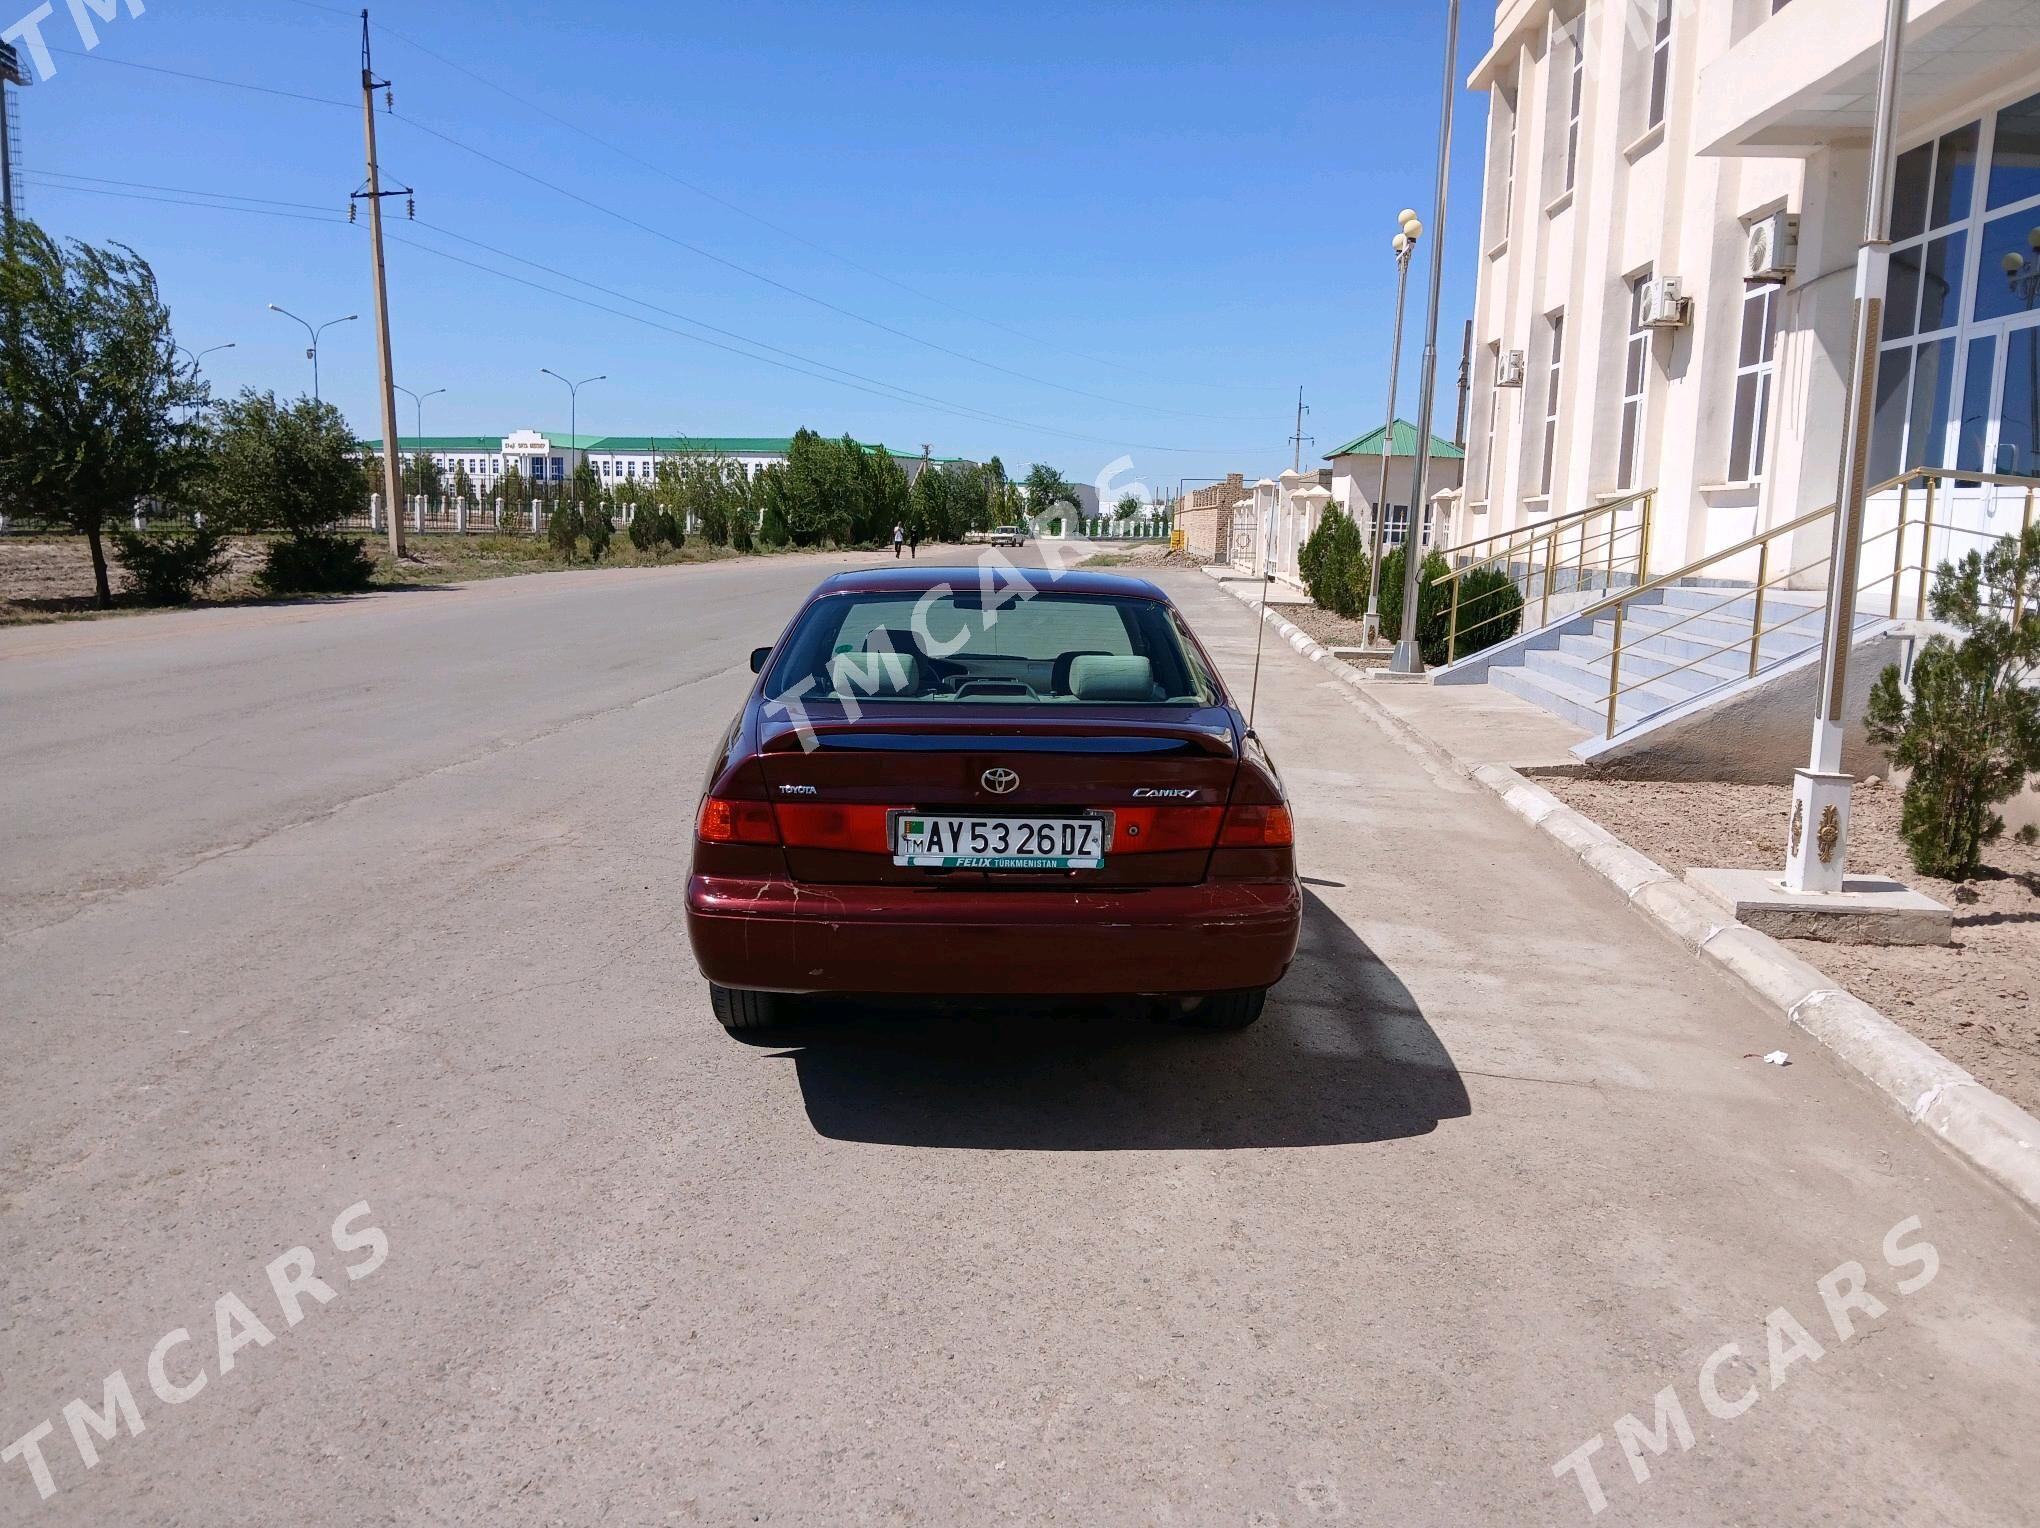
939	841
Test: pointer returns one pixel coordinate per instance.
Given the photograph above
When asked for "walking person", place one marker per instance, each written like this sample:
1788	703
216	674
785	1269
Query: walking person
899	535
914	541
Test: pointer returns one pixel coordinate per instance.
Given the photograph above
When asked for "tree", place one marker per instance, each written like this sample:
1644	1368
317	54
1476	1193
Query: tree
1434	602
886	495
422	476
281	467
516	496
90	389
463	485
1128	507
1046	487
1333	564
290	468
1970	730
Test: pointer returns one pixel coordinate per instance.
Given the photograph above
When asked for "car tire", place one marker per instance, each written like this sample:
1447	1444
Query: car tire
1219	1010
742	1012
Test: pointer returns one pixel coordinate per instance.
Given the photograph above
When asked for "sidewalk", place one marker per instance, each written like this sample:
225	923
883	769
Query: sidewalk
1489	736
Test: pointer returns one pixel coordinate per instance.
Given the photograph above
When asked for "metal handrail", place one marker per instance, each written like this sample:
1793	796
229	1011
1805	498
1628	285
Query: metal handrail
1540	528
1761	543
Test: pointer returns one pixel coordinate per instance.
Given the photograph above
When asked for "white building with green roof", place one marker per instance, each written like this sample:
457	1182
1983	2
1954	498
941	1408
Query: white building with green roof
617	460
1356	483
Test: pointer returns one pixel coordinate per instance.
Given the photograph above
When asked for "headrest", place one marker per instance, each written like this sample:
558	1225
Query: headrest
1094	677
877	675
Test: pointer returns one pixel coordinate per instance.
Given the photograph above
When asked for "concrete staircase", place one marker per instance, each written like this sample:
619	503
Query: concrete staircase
1570	679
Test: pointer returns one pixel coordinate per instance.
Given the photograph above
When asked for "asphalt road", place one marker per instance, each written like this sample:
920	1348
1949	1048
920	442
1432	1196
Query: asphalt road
376	903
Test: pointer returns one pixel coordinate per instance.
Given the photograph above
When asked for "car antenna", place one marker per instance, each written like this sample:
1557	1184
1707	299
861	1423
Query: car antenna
1254	696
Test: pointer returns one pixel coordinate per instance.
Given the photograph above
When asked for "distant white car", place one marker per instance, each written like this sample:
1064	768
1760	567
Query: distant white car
1009	535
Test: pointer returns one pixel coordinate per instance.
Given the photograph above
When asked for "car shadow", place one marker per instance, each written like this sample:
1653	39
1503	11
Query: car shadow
1343	1055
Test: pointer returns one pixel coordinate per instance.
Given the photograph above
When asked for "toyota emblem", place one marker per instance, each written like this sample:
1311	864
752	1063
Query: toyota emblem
1000	781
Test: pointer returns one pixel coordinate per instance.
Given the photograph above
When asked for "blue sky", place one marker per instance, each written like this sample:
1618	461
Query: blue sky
1164	218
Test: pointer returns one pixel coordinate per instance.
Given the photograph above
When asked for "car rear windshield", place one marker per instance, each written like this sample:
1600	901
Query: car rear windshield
947	647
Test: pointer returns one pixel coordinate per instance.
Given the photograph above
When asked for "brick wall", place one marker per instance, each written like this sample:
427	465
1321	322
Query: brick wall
1207	518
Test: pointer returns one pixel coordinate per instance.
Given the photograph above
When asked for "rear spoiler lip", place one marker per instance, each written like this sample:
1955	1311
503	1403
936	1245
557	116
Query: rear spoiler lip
1099	738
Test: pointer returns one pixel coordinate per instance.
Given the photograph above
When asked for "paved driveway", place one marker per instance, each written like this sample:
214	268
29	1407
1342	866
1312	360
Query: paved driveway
375	903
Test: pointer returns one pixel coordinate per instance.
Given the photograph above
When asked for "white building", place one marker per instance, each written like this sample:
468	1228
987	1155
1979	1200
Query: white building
1356	483
617	460
1633	141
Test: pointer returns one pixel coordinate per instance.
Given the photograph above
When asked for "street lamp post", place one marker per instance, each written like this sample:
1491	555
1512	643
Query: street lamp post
1817	847
312	352
574	403
418	402
1407	658
200	355
1405	245
197	356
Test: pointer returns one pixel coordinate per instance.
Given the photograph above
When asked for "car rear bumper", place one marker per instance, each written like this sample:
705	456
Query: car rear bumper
785	936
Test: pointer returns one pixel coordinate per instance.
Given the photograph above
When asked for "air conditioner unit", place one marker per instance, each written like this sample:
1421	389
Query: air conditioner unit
1773	252
1509	369
1663	306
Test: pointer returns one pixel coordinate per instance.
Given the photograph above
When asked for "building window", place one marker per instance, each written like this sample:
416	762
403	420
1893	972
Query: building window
1505	172
1635	377
1660	63
1576	94
1554	381
1753	385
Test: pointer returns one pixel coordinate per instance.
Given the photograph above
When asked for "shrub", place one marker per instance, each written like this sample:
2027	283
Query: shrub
1970	730
563	529
170	569
1327	561
1490	610
644	528
318	563
1434	603
596	526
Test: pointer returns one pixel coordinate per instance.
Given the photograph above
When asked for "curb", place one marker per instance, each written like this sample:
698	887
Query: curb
1984	1128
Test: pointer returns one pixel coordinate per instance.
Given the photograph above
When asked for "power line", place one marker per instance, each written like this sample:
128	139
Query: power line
690	247
774	282
204	79
721	201
875	387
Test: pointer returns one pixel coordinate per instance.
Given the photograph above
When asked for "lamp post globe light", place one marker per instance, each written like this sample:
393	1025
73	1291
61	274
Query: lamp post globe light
1410	228
1408	659
312	351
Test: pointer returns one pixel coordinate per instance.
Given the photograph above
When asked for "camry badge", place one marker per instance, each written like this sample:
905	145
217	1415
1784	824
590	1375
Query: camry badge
1000	782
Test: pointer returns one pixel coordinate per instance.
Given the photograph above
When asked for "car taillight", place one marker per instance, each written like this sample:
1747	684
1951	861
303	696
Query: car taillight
737	822
1159	829
1257	827
859	829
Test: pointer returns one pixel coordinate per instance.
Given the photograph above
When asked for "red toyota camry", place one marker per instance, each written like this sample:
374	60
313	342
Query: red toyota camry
943	783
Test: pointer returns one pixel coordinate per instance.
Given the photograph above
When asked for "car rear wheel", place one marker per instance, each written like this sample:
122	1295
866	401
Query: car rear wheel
1217	1010
742	1012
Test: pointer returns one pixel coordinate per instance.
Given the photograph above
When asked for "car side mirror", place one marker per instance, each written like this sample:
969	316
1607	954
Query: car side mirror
758	657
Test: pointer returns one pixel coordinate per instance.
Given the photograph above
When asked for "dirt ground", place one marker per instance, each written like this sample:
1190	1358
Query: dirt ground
1323	626
1976	1001
49	578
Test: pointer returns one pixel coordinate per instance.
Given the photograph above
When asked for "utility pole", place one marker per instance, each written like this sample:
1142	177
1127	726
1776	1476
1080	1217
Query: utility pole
1408	659
1817	851
1465	383
393	474
1296	465
11	73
